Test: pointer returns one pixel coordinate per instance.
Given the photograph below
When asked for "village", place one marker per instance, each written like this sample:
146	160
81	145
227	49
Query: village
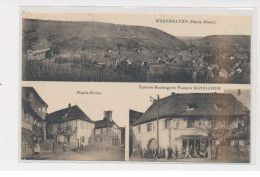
193	127
174	65
68	133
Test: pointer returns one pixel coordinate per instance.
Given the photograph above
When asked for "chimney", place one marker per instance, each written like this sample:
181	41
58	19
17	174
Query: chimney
108	115
69	106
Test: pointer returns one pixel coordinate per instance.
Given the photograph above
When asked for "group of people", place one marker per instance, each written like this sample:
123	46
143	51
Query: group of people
169	153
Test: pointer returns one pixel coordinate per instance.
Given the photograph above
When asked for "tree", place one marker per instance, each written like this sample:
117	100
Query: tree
214	128
242	131
60	129
48	54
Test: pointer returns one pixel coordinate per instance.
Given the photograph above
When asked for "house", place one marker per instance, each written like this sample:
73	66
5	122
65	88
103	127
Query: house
107	132
71	126
182	118
133	117
34	111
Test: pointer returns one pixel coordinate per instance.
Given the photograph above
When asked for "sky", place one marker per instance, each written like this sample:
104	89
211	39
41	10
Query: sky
118	97
224	25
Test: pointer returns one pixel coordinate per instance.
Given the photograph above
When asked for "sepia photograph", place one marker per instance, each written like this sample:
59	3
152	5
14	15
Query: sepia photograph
136	48
64	126
192	127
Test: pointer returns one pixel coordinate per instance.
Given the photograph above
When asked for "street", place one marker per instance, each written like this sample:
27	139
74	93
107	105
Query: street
82	155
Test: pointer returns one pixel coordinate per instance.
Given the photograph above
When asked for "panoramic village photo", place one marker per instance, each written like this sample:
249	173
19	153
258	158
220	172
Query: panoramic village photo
192	127
68	132
125	50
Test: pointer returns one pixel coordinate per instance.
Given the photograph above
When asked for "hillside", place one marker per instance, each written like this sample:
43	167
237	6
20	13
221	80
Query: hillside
226	43
102	40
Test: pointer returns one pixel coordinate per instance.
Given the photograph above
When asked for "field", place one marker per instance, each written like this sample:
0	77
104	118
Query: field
50	71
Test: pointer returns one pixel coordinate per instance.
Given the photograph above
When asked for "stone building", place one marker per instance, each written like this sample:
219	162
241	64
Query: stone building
71	126
184	118
34	111
107	132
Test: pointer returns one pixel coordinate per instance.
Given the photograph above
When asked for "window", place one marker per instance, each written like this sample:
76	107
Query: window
44	110
176	124
139	129
149	127
39	109
167	123
101	140
82	139
192	106
190	123
101	131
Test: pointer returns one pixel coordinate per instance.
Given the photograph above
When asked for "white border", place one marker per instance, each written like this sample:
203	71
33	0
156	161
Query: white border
10	88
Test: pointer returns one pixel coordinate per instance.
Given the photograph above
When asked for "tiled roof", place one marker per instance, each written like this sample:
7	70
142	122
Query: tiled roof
175	105
67	114
134	116
105	123
29	108
32	90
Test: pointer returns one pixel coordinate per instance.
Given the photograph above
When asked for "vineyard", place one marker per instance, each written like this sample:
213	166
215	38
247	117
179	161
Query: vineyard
44	71
48	71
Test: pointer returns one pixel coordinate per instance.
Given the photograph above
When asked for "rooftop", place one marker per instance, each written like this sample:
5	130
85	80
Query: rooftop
105	123
134	116
67	114
207	104
37	96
